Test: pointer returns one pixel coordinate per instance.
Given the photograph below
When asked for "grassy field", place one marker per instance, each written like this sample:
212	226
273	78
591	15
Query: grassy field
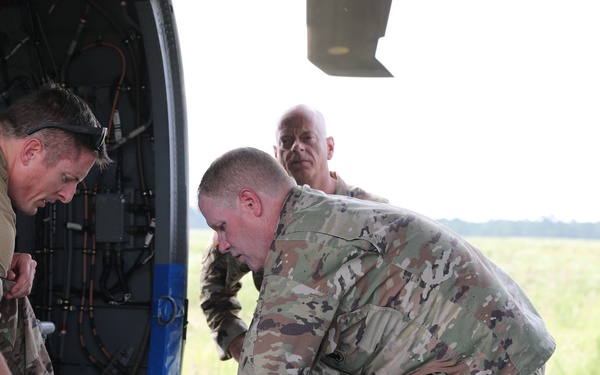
561	276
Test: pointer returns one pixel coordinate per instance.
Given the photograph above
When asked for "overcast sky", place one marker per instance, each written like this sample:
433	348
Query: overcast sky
493	111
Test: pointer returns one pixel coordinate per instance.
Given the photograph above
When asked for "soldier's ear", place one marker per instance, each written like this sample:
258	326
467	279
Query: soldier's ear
330	147
250	202
32	148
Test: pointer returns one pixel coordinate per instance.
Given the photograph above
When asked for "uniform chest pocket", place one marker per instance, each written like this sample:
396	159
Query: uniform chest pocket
377	340
363	339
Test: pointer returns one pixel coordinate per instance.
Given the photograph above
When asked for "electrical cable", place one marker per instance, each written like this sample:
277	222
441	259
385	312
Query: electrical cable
82	21
121	78
123	277
97	339
21	310
135	71
128	18
46	67
84	283
139	159
39	34
66	304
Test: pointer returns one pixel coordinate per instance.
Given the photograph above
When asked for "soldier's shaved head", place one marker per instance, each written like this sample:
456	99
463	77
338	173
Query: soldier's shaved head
303	148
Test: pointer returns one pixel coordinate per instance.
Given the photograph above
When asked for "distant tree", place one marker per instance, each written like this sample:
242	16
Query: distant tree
547	227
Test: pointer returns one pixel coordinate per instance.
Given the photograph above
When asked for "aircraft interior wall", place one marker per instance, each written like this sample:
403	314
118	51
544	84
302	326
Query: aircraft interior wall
98	256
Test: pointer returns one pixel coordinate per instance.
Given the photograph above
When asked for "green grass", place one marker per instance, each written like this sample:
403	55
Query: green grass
560	275
200	355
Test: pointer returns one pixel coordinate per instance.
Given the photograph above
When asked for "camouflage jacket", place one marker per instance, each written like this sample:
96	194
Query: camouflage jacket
354	287
21	341
220	282
8	221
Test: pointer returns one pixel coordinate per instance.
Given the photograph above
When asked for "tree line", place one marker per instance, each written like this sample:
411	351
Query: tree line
546	227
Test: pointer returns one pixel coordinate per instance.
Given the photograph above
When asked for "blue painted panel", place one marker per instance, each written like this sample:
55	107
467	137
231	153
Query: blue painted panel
168	315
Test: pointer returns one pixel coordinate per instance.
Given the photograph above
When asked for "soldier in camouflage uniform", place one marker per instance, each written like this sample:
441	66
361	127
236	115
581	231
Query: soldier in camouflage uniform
303	149
358	287
38	164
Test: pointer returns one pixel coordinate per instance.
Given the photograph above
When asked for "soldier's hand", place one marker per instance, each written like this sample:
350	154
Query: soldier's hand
22	272
235	348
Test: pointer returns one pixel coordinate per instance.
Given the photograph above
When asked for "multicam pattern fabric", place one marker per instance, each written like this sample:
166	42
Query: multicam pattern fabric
220	281
342	188
363	288
8	221
21	341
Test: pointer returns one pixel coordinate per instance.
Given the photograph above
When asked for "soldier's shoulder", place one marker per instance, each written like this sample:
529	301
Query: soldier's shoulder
360	193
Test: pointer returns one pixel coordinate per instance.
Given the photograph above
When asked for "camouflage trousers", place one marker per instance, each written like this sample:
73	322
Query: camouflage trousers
21	341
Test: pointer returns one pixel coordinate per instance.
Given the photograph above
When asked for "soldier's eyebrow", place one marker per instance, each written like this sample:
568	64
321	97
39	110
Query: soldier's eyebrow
216	224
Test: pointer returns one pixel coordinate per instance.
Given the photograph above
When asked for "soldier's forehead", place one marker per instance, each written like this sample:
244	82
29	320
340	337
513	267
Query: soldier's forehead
300	128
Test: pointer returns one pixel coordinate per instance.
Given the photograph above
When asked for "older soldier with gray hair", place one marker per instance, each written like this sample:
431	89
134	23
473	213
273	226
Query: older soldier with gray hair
358	287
